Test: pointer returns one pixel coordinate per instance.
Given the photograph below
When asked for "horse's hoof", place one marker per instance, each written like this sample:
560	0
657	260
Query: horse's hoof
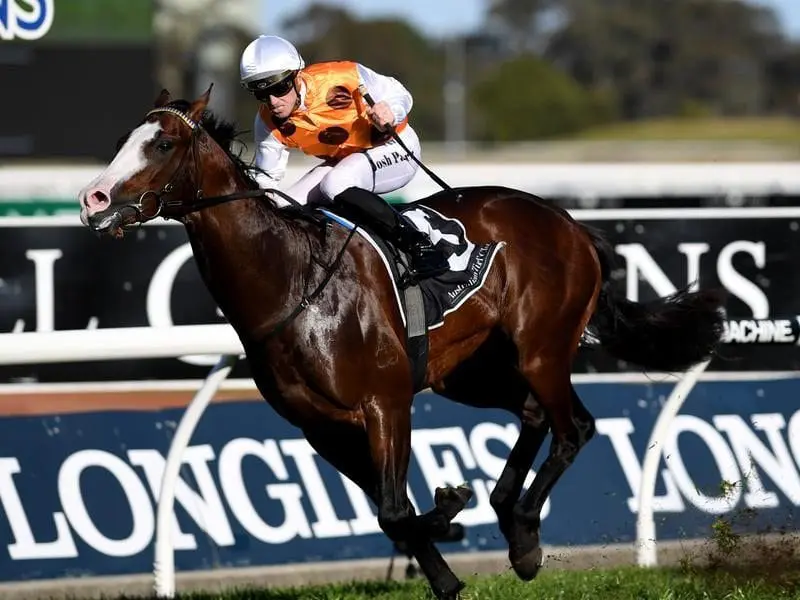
450	501
451	592
527	566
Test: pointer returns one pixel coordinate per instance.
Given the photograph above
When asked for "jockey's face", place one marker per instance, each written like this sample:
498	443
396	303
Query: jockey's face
281	97
282	106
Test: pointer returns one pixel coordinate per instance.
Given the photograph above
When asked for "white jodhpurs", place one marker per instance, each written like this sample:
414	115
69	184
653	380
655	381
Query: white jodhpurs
382	169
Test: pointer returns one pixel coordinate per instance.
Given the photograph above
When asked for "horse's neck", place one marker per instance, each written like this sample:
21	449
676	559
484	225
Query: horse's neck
252	261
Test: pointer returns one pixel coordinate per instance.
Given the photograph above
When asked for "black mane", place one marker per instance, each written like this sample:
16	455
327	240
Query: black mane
225	134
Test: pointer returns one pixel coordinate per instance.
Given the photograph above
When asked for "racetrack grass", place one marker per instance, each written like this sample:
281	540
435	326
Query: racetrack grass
628	583
764	129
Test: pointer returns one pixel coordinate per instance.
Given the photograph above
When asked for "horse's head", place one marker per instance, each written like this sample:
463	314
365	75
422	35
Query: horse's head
153	171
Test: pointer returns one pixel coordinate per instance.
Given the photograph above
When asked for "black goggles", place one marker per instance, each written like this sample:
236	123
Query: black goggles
263	89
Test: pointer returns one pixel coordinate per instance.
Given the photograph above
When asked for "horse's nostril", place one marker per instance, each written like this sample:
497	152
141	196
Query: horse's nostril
97	199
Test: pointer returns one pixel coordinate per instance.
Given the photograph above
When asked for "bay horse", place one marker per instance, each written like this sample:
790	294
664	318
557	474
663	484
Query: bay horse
333	361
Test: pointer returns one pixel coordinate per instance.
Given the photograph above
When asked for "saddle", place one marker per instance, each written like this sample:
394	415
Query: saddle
425	303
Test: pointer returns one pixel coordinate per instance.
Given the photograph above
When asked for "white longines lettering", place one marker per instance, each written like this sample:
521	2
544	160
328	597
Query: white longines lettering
774	457
456	451
295	523
205	506
44	261
640	266
139	505
793	435
744	289
327	523
759	454
723	458
492	464
24	546
618	431
736	459
45	295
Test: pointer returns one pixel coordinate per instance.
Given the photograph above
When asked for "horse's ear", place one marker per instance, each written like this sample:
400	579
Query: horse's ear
163	98
199	105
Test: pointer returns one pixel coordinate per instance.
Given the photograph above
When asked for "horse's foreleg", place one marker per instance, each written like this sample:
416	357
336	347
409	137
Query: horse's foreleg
573	426
349	452
504	496
388	427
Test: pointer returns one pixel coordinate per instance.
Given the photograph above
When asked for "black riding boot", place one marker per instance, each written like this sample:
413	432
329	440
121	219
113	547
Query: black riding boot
363	206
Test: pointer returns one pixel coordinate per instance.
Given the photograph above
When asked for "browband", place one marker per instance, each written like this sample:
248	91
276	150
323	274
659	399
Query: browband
192	125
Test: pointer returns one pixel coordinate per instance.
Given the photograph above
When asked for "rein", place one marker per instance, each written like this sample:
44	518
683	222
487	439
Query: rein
365	94
202	202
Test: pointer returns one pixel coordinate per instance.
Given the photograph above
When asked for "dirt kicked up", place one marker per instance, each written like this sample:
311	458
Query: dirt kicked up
614	584
727	567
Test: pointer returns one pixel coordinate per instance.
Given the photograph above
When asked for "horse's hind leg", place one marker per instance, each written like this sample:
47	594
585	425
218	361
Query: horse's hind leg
490	378
533	430
349	452
572	426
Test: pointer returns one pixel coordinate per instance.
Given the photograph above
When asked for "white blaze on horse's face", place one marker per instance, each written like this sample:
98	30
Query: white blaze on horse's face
129	161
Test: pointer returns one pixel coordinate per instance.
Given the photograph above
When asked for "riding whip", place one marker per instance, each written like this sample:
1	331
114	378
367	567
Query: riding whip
365	94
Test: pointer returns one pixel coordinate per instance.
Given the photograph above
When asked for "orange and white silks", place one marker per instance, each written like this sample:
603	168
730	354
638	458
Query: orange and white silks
333	122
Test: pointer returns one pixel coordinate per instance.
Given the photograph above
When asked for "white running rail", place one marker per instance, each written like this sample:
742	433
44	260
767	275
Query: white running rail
133	343
776	331
646	551
164	563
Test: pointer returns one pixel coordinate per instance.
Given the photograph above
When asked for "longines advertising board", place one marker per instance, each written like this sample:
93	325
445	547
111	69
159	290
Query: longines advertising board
77	490
56	275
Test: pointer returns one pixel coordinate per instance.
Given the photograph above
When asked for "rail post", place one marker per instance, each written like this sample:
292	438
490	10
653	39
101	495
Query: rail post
164	562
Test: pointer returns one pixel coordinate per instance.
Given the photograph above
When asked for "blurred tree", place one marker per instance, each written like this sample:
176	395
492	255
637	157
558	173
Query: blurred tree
390	47
783	76
524	24
658	56
526	98
193	34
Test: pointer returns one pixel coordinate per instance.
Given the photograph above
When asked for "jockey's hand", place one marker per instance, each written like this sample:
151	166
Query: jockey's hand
381	115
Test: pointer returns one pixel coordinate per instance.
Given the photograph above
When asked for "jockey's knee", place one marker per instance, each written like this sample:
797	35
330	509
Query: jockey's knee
335	183
349	173
332	185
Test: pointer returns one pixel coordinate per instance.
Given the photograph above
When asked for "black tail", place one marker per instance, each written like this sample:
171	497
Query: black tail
669	334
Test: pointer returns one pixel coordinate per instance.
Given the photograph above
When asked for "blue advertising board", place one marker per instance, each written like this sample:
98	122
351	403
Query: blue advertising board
77	491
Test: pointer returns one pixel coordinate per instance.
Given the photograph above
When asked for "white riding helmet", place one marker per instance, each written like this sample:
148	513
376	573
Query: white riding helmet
269	57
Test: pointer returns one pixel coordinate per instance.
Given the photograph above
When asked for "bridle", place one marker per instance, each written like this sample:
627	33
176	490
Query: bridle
201	202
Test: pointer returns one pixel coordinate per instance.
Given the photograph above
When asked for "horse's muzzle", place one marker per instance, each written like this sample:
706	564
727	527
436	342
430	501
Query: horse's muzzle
114	220
106	221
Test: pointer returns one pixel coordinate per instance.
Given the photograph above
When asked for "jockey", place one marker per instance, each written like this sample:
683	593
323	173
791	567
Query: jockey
319	110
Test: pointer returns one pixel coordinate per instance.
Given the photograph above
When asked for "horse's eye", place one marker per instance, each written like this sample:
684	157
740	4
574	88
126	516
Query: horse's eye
164	145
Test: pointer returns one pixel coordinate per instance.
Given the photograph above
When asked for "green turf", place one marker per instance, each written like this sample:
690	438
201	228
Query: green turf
754	129
612	584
